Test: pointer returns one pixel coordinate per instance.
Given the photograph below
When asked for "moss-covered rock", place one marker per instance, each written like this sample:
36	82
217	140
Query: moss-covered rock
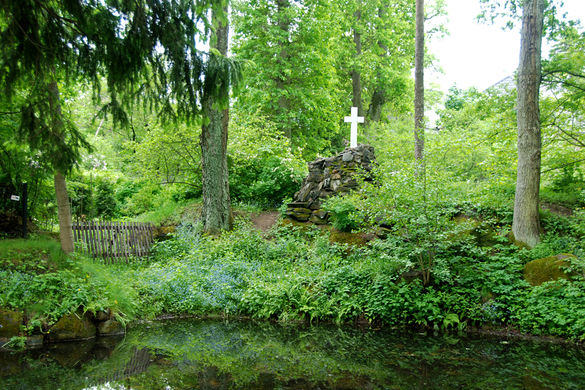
34	341
481	232
547	269
72	326
164	231
10	322
354	239
110	328
103	315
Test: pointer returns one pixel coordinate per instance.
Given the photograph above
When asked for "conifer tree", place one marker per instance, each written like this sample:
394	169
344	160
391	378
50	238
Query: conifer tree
216	214
144	50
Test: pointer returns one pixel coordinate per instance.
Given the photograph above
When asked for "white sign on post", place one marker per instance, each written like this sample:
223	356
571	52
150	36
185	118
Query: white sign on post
15	197
354	119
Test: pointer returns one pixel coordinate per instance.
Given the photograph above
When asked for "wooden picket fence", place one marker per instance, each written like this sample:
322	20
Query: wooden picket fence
138	364
114	241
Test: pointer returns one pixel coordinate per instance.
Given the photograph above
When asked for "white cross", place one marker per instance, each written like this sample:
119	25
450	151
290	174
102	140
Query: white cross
354	119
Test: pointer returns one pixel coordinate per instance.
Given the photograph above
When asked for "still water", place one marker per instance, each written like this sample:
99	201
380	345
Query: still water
204	354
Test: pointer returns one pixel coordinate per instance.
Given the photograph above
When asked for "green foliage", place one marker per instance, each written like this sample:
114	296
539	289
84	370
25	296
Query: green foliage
117	41
387	51
37	255
16	342
263	168
342	213
300	275
105	202
38	278
444	262
555	308
169	153
291	78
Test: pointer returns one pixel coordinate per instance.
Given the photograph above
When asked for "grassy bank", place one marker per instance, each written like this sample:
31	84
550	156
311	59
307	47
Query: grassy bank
37	278
299	274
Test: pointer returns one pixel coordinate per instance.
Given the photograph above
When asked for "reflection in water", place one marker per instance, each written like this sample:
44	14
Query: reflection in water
139	363
195	354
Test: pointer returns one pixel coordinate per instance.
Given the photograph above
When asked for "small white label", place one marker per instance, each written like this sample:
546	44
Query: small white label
15	197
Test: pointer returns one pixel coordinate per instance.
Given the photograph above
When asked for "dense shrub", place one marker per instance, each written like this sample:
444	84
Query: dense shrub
263	167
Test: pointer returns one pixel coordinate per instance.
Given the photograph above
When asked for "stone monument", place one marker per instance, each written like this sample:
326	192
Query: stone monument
327	177
332	176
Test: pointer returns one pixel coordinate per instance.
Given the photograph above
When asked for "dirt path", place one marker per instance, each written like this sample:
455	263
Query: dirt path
265	220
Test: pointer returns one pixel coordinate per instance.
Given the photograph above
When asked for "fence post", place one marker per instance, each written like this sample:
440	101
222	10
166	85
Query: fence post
24	200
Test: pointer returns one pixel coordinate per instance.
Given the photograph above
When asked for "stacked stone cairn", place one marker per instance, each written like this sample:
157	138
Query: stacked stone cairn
328	177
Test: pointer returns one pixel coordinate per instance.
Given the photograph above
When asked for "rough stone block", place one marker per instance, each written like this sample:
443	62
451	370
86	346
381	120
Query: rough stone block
302	210
72	327
293	205
315	205
110	328
10	322
328	177
318	221
34	341
103	315
315	177
353	239
335	185
303	194
347	157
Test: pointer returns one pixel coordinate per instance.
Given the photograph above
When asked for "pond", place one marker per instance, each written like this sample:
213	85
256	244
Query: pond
207	354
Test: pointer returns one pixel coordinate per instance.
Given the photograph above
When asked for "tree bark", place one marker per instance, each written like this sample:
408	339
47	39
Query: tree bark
355	73
526	221
63	206
379	96
419	87
64	213
216	214
283	20
375	109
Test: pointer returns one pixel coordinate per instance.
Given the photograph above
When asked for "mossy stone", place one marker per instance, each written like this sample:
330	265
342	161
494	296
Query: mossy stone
103	315
34	341
165	231
72	327
110	328
10	322
319	218
481	233
353	239
547	269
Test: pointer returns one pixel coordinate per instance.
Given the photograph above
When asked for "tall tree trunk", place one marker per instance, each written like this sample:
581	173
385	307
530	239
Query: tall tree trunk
419	86
216	214
375	109
63	212
63	206
355	73
283	20
526	222
379	97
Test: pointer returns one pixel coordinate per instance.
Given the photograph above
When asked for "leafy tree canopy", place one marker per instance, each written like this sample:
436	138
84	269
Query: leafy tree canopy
145	50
